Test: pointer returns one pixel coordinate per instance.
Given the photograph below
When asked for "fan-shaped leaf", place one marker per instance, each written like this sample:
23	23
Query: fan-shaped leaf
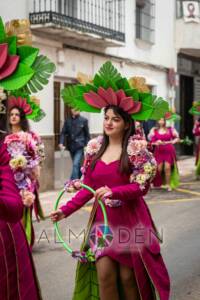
109	73
160	107
123	84
43	68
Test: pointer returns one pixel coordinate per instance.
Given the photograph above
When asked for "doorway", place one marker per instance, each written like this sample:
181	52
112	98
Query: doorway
186	99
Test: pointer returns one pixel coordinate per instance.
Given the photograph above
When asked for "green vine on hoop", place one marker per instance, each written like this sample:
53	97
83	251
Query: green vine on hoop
81	255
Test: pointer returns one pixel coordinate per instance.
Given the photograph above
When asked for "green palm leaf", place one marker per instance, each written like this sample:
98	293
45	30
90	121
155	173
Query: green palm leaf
43	68
86	286
160	107
109	73
73	97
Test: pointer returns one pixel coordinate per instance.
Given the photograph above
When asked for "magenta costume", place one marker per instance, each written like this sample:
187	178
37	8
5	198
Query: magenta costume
196	132
17	274
163	153
131	223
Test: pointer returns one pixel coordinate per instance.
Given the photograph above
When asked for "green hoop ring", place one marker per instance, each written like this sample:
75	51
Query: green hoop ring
56	227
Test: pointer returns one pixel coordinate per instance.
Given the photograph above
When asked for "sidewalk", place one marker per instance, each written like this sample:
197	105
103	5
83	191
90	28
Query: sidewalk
186	165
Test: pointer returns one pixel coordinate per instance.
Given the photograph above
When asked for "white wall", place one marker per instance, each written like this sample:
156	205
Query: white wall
162	52
187	35
13	9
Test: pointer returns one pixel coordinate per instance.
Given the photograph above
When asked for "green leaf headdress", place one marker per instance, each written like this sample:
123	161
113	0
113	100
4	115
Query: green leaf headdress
28	104
172	116
21	66
108	87
195	109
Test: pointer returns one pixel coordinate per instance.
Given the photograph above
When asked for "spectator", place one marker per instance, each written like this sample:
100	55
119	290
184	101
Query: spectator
76	132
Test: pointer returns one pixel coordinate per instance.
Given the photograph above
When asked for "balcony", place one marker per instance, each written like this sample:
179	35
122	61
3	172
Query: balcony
99	21
187	33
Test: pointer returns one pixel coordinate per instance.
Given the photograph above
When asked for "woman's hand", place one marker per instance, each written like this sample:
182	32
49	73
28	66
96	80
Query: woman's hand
159	142
27	198
57	215
101	192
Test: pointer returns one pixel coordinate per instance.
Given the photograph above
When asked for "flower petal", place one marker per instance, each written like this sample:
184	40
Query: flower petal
95	100
9	67
3	54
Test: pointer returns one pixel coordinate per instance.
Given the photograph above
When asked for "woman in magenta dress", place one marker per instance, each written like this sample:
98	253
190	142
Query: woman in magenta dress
196	132
19	110
164	138
134	255
18	279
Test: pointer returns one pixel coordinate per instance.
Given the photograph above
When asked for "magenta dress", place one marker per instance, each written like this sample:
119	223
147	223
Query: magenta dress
196	132
163	153
131	225
17	274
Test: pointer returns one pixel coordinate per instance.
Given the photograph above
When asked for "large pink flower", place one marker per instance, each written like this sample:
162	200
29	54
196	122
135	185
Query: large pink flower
8	63
107	97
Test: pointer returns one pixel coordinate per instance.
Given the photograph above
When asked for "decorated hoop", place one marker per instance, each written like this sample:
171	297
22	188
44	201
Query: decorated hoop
88	255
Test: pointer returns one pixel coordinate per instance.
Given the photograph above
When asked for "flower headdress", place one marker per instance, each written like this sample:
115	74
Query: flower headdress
172	116
28	104
108	87
21	66
195	109
22	70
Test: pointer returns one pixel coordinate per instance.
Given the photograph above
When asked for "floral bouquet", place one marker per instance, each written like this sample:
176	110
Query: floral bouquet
24	160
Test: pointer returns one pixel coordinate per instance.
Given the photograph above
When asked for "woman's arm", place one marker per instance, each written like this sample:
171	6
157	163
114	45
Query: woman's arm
80	198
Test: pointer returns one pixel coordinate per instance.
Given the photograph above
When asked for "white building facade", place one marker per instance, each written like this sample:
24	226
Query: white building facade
138	36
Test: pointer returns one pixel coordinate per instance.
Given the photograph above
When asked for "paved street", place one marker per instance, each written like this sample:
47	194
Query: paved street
176	215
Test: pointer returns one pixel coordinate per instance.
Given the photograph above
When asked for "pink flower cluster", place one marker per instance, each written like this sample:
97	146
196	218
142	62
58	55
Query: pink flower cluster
142	161
136	144
24	158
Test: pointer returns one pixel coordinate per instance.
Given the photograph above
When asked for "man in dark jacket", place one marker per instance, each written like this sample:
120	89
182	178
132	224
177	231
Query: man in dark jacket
76	132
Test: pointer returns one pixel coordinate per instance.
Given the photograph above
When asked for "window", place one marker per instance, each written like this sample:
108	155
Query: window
145	20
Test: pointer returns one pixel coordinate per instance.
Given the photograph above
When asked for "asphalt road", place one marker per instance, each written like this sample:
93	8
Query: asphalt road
177	216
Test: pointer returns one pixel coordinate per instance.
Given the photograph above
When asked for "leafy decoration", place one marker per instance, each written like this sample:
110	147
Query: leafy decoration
19	78
2	31
43	68
153	107
12	44
108	72
27	54
73	97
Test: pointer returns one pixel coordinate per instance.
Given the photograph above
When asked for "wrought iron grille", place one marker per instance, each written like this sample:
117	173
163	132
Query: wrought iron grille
179	7
105	18
145	20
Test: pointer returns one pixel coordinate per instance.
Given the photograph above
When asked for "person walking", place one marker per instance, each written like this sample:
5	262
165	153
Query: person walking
76	133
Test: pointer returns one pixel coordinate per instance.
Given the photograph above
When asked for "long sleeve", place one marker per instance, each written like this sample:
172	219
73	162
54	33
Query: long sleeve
128	192
152	136
80	198
11	207
63	133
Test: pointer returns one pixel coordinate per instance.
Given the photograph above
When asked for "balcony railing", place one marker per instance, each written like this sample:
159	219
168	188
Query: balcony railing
104	18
